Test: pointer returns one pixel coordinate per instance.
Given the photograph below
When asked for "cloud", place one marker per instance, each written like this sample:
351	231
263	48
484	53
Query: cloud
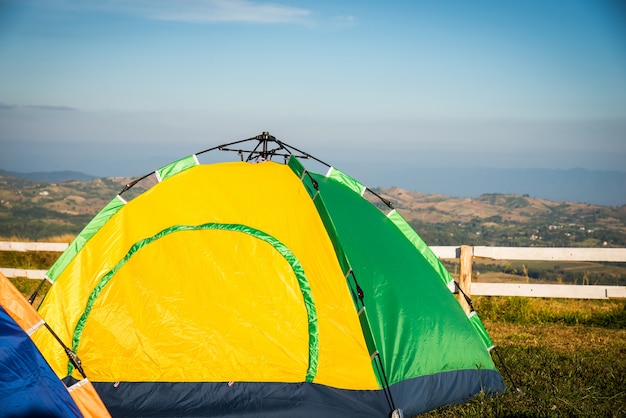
197	11
7	106
206	11
344	21
53	108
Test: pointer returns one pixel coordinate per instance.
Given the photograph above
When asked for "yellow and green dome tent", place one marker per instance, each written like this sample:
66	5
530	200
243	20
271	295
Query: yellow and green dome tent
260	288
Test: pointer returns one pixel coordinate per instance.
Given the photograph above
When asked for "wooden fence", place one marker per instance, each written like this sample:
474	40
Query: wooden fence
465	254
29	246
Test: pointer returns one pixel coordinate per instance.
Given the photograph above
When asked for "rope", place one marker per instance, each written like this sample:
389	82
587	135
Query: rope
506	369
32	297
386	389
467	298
376	355
70	354
359	290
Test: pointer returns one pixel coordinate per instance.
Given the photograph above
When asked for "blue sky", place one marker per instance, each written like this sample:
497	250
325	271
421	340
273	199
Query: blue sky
120	87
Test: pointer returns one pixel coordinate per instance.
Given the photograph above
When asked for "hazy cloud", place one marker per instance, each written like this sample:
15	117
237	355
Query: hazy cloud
53	108
226	11
4	106
7	106
197	11
344	21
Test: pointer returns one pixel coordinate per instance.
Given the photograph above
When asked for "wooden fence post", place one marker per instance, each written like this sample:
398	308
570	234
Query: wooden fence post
465	276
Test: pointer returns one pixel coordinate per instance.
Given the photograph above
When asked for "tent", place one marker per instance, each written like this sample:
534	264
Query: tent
28	386
261	288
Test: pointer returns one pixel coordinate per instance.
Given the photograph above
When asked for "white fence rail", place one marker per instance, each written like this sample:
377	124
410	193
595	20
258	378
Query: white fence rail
538	253
29	246
33	246
469	253
569	291
29	274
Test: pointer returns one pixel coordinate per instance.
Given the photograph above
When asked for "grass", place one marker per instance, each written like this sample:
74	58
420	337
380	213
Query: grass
57	238
568	358
30	260
600	313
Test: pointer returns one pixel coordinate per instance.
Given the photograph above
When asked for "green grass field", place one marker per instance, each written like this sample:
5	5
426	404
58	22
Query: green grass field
567	357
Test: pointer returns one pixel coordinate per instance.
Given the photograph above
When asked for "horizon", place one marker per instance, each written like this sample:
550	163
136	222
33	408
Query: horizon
576	185
107	87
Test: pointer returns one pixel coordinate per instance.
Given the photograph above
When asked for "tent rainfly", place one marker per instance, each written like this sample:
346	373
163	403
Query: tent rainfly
260	288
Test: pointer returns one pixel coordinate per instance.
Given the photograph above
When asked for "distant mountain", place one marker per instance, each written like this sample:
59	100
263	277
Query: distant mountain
51	176
577	185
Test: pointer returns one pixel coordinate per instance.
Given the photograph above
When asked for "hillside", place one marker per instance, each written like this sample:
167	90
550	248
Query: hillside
50	176
572	185
37	210
509	220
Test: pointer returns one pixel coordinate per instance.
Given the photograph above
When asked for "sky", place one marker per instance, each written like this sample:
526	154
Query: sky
122	87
